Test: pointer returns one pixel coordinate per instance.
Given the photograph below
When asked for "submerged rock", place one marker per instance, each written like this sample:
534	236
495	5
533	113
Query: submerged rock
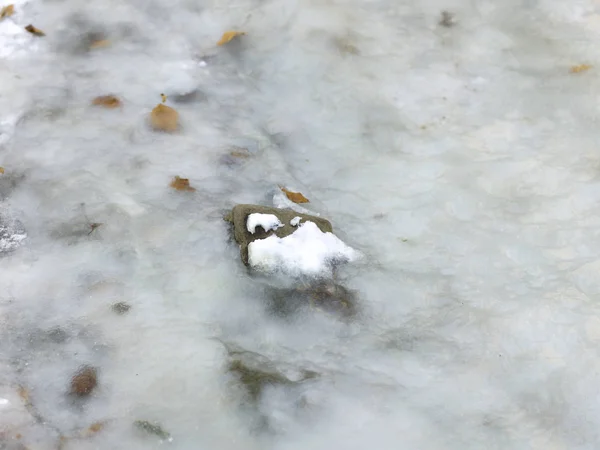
239	216
120	308
255	372
323	295
84	381
57	335
256	380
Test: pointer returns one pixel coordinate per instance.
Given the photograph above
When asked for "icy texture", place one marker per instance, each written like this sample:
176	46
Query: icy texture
266	221
462	161
12	234
306	252
295	221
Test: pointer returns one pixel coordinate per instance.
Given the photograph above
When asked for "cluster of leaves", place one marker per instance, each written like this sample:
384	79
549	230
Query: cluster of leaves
580	68
9	10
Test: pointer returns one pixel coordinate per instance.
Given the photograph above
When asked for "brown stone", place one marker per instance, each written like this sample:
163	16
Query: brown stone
84	381
243	237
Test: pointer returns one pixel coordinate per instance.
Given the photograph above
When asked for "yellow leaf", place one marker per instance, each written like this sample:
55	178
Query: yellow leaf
24	394
164	118
296	197
34	30
108	101
99	44
95	427
1	169
240	152
181	184
229	36
580	68
92	429
7	11
163	97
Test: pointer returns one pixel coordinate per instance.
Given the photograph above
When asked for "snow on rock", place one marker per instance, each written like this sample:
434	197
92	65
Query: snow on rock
295	221
266	221
307	251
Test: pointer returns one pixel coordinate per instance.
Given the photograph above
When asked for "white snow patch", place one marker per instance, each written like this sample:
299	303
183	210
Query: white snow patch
15	41
266	221
10	238
281	201
307	251
7	127
295	221
10	242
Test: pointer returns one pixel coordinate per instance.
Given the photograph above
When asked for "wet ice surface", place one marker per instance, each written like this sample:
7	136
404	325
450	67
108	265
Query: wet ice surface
462	162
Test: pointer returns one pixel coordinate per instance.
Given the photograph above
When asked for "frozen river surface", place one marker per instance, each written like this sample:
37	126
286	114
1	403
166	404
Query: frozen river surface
457	151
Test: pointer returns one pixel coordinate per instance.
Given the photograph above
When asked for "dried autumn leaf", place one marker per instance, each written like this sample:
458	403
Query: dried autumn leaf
181	184
228	36
62	441
1	169
93	226
99	44
24	394
580	68
7	11
95	427
108	101
164	118
34	30
240	152
296	197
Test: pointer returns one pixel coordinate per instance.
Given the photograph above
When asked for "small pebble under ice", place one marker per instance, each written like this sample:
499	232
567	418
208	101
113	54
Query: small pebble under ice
266	221
295	221
307	251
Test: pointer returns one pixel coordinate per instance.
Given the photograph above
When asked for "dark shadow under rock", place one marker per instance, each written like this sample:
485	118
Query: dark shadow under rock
239	216
189	97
